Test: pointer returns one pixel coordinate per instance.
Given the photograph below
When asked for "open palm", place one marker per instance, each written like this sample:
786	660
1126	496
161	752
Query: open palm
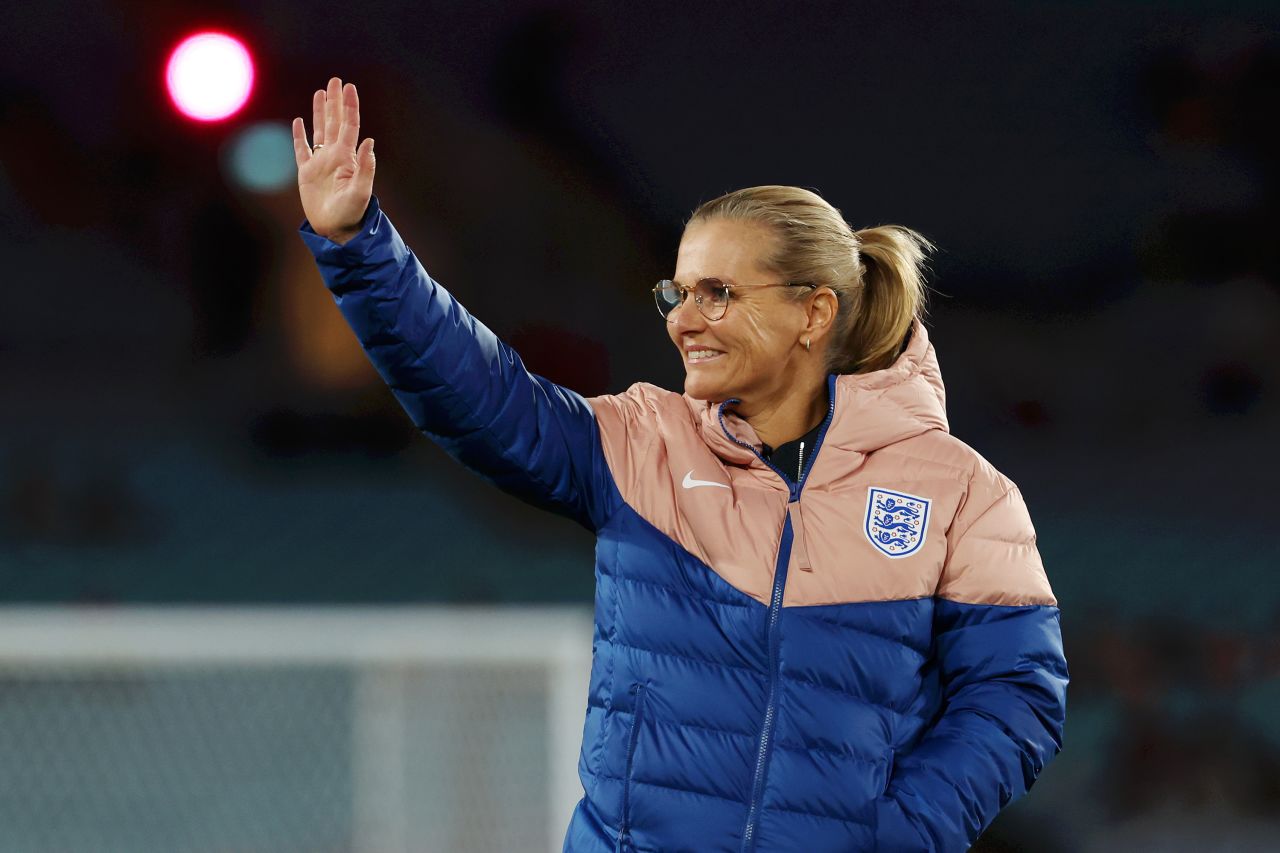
335	177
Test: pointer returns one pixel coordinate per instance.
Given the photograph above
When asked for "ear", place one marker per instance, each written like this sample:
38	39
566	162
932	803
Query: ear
821	315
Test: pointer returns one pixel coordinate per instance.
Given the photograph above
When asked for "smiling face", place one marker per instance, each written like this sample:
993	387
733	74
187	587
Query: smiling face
753	350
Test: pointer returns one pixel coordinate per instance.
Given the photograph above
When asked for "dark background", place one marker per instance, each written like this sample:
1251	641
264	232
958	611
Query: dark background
185	418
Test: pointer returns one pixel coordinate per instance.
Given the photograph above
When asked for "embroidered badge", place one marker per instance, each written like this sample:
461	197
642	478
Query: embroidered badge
896	522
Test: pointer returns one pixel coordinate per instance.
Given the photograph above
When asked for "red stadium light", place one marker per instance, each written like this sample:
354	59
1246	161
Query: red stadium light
209	76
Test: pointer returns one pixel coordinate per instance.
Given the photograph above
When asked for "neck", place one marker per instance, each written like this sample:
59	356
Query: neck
802	408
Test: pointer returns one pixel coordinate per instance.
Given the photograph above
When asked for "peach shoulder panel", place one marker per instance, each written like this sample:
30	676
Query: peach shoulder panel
936	488
992	554
713	496
727	515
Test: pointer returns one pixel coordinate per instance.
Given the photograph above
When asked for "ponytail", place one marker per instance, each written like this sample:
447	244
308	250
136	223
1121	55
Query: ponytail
891	297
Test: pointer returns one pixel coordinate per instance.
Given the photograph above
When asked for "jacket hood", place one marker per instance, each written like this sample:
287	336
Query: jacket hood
872	410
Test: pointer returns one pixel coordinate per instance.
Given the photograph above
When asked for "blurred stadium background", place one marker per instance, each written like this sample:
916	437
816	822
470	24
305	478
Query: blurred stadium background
246	608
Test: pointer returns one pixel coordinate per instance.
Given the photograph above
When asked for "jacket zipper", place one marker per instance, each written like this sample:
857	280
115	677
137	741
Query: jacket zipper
775	612
770	709
624	830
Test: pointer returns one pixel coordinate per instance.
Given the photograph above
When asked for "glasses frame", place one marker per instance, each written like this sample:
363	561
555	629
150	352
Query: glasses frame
685	290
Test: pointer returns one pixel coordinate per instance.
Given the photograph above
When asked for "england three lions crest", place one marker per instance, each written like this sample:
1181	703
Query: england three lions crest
896	523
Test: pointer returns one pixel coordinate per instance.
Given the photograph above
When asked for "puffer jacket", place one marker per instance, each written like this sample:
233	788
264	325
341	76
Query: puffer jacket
867	659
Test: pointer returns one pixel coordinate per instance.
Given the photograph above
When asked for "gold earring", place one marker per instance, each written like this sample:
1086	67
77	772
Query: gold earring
807	341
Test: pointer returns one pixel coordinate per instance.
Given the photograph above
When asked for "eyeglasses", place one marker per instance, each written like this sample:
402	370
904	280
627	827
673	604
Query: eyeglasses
711	295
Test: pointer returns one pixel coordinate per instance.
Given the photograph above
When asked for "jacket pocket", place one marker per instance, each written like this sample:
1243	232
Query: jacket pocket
637	715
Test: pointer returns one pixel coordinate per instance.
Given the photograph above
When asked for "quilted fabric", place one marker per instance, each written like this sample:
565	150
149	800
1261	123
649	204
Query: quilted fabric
867	659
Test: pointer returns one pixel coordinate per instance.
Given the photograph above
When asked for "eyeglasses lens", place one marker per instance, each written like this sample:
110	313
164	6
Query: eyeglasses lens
709	294
668	296
713	298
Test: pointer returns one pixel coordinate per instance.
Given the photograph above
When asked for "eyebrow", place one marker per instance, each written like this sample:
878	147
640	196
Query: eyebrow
723	279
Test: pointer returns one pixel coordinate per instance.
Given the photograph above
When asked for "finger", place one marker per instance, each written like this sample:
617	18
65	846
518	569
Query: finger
365	161
367	164
349	134
317	117
332	110
301	153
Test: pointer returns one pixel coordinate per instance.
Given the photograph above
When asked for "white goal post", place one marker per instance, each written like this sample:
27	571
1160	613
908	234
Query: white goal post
367	729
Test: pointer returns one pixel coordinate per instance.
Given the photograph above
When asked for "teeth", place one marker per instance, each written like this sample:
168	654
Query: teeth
703	354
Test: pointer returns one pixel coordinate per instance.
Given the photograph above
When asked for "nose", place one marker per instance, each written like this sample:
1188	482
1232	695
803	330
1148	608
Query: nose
686	317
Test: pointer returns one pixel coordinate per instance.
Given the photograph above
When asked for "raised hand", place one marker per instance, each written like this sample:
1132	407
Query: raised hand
335	177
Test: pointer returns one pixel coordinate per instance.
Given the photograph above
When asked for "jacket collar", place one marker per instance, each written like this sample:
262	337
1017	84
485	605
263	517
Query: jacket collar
872	410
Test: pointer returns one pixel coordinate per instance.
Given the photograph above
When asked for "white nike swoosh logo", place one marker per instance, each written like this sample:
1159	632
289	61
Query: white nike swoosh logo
690	483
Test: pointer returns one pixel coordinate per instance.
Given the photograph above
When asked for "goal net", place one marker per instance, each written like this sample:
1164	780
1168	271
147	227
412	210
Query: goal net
268	729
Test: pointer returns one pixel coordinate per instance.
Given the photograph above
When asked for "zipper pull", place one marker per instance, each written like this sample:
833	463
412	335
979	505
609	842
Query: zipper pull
797	537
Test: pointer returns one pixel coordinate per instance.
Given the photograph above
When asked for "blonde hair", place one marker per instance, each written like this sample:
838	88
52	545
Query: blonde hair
877	273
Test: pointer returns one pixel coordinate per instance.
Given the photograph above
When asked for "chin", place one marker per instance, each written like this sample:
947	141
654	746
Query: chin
703	388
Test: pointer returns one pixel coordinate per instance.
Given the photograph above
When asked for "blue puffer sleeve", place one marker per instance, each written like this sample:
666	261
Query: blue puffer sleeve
462	387
1004	678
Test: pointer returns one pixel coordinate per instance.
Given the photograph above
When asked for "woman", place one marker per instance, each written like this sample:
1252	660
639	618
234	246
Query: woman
821	621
